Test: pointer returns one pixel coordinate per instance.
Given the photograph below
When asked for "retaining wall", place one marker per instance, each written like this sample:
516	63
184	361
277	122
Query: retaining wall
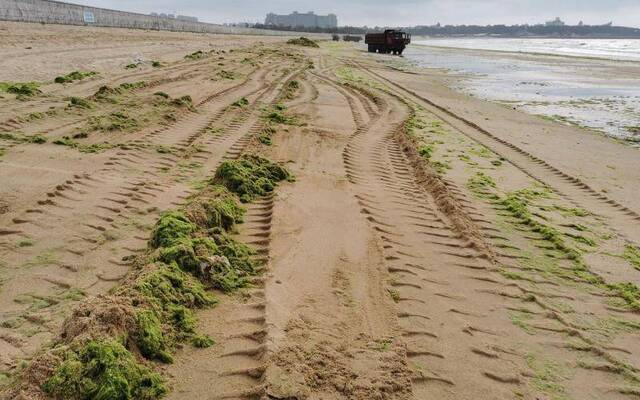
56	12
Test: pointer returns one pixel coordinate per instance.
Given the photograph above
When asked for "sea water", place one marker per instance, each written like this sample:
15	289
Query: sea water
594	83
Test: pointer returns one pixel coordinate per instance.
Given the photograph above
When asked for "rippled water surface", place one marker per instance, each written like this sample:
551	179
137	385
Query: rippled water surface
601	94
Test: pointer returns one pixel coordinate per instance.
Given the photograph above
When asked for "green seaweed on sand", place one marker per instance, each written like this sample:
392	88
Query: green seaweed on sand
196	55
20	138
150	338
74	76
115	121
170	285
202	341
303	41
133	85
276	115
189	253
22	89
480	182
250	176
79	102
241	102
426	151
171	227
290	89
221	211
632	255
265	139
103	370
183	102
224	74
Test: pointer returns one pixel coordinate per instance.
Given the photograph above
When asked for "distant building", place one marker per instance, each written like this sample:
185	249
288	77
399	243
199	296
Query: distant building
172	16
555	22
308	20
187	18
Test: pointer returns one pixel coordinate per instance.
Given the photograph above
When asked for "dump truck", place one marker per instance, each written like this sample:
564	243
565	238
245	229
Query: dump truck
352	38
390	41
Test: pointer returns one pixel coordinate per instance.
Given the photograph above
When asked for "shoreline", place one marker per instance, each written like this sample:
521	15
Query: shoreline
592	93
531	53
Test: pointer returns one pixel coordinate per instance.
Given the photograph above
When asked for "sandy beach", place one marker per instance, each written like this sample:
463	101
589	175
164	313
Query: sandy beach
405	241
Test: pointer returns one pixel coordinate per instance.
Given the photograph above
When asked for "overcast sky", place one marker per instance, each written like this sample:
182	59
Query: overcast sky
396	12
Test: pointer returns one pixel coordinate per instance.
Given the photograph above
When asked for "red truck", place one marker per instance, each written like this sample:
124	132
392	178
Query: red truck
391	41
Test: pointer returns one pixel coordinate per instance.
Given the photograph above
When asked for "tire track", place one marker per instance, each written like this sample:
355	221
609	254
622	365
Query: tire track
236	363
106	204
450	341
579	193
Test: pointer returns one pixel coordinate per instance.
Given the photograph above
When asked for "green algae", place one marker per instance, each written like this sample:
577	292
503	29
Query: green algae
632	255
202	341
107	94
516	203
169	284
183	102
291	89
224	74
20	138
103	370
74	76
480	182
196	55
276	115
303	41
115	121
250	176
172	226
241	102
441	167
175	236
547	378
521	319
21	89
413	124
183	320
221	212
426	151
150	338
189	253
133	85
265	139
80	102
190	250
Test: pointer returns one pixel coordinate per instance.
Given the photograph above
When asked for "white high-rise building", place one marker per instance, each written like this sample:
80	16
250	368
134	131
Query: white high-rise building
306	20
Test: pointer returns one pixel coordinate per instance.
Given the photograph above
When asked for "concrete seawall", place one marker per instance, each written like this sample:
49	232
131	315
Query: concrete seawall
56	12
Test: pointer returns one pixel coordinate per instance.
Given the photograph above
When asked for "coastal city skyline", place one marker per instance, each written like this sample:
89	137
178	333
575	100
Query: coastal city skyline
403	13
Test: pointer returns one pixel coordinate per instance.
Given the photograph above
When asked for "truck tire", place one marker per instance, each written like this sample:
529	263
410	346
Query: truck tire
372	48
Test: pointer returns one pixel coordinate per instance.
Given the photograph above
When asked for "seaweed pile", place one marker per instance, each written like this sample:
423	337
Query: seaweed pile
106	345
